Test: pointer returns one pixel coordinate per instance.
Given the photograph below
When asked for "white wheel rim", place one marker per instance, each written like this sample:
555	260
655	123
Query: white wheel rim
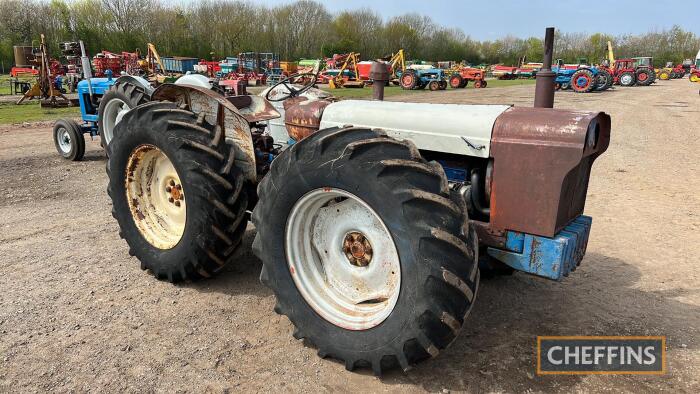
342	259
156	197
114	110
64	140
626	79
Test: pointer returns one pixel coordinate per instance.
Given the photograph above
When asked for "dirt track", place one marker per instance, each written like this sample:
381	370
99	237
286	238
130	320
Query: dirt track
77	313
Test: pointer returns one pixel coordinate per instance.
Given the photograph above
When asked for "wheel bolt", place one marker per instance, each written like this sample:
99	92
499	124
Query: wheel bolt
171	199
172	182
168	189
178	187
177	203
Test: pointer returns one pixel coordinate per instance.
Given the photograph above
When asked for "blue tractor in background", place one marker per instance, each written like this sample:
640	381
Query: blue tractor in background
432	78
583	79
103	101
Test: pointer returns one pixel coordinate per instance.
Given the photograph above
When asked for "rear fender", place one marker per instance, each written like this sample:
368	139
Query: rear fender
218	110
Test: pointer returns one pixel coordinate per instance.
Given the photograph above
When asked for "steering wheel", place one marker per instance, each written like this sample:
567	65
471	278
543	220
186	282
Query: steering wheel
292	91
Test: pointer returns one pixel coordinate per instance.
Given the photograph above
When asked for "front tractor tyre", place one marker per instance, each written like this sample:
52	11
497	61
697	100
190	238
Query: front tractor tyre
365	251
175	191
68	139
114	104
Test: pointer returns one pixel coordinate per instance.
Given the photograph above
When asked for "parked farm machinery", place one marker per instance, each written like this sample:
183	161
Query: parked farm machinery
582	79
103	102
48	87
345	73
629	72
373	218
461	76
671	71
420	78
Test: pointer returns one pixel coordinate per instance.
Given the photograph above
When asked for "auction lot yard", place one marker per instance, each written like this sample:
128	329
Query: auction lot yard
77	313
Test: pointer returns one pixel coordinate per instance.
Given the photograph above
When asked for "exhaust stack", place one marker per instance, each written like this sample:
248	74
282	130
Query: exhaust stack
544	88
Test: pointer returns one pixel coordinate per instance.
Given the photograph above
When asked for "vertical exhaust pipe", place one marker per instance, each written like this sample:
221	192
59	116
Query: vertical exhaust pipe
379	74
544	87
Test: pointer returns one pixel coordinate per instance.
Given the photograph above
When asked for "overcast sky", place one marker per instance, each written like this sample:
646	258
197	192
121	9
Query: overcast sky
524	18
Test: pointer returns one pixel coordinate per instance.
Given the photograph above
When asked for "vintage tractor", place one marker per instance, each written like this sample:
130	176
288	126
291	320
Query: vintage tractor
103	101
374	219
461	77
420	78
582	79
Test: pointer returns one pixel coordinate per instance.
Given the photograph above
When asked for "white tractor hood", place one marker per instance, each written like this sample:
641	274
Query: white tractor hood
450	128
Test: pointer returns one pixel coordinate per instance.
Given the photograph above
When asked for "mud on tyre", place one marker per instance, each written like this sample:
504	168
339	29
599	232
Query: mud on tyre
331	208
175	192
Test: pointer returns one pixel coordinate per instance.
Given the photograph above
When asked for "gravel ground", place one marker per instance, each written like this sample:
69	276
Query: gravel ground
77	313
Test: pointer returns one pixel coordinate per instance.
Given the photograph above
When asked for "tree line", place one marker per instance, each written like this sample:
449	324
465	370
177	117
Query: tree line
303	29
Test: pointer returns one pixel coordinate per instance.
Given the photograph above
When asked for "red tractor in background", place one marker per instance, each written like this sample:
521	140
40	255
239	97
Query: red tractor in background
625	73
460	78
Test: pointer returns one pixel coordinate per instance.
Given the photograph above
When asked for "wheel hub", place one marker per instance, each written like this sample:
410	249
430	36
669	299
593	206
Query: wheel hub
342	258
357	249
156	197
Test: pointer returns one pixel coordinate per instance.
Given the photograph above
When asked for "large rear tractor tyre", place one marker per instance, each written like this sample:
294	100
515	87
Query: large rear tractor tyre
365	251
456	81
644	77
175	191
114	104
604	80
68	139
583	81
627	79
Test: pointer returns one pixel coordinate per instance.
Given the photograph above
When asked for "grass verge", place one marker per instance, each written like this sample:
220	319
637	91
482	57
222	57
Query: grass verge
32	112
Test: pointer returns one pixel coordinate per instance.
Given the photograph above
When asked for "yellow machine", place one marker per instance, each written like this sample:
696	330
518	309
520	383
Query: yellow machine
611	56
350	63
397	63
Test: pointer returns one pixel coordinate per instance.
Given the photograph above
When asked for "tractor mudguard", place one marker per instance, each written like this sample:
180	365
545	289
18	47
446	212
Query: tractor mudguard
138	81
225	112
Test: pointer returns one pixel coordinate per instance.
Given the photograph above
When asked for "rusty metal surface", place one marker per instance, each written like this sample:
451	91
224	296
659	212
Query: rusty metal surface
487	235
254	108
380	75
303	117
542	163
217	110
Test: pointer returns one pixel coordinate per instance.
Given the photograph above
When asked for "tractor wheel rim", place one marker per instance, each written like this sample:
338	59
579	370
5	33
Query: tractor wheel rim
111	116
626	79
582	82
64	140
156	196
642	76
342	259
